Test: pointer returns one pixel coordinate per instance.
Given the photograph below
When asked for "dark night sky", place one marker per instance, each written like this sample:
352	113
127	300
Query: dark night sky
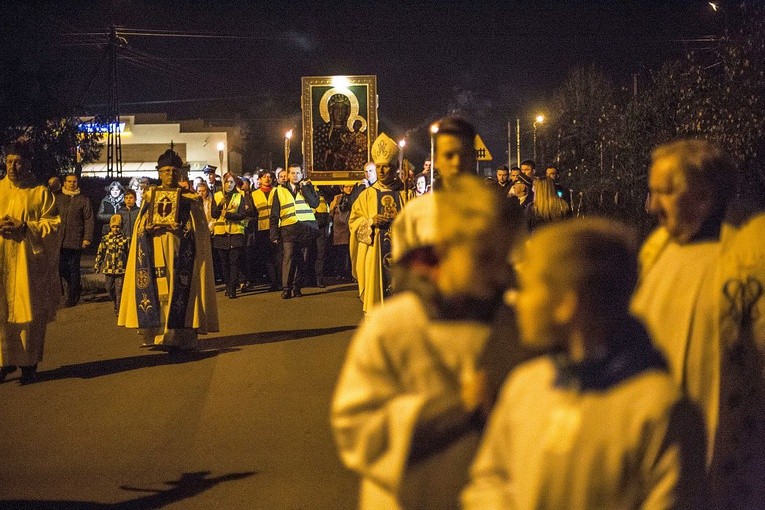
496	60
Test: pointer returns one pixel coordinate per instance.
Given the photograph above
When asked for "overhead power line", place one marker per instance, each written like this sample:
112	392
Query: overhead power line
139	32
171	101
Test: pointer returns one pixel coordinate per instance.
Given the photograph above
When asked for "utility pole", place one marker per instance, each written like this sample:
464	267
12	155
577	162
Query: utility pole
509	145
113	138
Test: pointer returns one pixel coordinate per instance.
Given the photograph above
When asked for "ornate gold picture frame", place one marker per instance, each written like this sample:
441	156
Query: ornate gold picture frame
339	126
164	206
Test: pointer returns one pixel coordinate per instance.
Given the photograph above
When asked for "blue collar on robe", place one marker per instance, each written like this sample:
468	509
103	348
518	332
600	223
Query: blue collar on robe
634	355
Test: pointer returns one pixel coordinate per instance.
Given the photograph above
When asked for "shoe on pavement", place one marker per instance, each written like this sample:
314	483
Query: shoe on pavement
28	375
296	292
6	371
286	294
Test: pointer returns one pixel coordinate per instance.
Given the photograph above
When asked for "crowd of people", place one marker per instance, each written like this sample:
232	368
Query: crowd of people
509	357
579	371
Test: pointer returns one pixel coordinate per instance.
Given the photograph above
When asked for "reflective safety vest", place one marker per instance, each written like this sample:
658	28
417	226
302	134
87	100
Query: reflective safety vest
222	226
263	207
323	207
293	209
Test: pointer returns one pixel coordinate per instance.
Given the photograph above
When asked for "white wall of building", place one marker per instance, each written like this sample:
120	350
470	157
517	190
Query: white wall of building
201	148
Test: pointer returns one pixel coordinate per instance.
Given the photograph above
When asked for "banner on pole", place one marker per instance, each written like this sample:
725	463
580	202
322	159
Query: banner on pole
339	126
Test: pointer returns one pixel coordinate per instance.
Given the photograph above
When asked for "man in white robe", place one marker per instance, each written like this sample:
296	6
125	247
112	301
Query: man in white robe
599	423
409	404
29	225
738	464
169	287
678	292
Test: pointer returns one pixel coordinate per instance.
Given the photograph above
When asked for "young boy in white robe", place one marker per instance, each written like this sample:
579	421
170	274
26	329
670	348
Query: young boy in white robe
599	423
410	402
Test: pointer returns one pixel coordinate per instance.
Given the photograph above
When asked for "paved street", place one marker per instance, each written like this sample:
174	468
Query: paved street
243	424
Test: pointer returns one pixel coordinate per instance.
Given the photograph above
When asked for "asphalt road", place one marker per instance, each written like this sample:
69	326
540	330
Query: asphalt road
243	424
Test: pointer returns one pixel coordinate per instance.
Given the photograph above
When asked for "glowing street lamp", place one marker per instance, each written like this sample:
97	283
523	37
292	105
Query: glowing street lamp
287	138
221	148
539	119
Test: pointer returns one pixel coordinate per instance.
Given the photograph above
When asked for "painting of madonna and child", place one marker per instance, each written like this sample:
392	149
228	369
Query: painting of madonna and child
339	125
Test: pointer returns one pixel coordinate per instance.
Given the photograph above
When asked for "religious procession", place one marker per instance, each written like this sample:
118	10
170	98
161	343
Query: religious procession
546	361
414	255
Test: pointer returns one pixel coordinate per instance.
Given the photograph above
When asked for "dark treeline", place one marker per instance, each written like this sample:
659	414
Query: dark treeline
601	135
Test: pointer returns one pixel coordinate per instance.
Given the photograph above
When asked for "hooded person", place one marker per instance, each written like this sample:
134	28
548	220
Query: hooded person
409	405
370	221
169	288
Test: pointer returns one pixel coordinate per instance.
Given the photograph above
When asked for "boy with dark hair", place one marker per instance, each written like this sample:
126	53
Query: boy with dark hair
528	167
599	423
129	213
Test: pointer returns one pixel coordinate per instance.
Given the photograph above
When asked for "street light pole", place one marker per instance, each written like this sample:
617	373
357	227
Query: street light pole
287	138
509	145
433	131
538	120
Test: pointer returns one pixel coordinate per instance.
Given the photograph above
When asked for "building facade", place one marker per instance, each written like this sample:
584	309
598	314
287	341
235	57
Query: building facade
145	136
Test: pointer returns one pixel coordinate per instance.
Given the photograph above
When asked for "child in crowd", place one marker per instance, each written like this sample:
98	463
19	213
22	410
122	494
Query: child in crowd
129	212
111	259
599	423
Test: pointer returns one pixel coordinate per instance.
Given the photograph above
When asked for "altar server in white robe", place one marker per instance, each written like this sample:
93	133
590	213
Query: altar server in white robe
409	404
600	423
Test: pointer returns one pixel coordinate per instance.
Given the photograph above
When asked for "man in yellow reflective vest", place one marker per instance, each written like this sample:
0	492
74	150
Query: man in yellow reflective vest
294	225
